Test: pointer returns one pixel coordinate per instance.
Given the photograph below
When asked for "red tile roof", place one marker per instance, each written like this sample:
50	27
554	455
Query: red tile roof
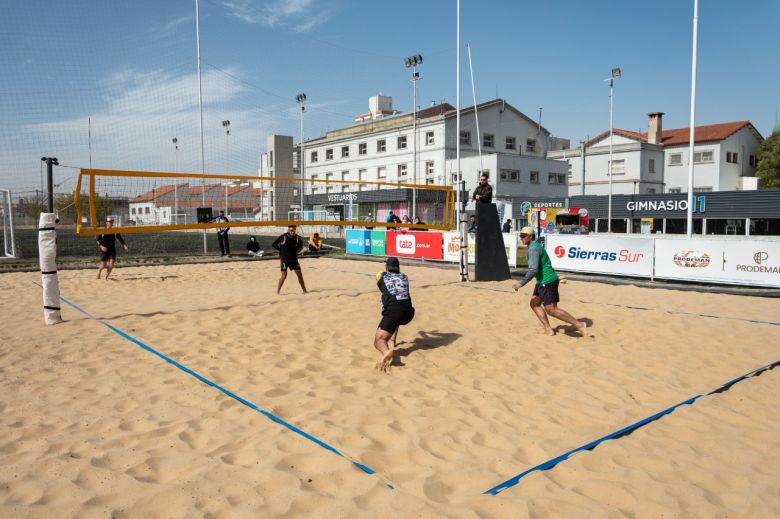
676	136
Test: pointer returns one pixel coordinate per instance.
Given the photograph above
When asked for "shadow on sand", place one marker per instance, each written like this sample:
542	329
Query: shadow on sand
425	341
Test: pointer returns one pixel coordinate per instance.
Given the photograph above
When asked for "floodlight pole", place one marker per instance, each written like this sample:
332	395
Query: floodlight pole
50	161
200	106
412	62
615	74
226	126
693	116
301	98
464	273
175	141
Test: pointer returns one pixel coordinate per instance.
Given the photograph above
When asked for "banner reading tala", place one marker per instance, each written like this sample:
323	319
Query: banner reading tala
414	244
452	247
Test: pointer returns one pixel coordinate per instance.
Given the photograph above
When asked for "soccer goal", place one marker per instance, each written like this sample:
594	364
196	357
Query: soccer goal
7	216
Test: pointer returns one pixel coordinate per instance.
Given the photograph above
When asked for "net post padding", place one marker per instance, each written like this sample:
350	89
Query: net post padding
153	189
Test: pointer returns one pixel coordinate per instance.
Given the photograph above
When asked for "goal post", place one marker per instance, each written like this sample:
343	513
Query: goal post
148	201
7	216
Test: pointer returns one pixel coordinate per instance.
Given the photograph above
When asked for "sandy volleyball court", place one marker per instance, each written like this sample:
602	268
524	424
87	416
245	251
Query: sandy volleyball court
92	425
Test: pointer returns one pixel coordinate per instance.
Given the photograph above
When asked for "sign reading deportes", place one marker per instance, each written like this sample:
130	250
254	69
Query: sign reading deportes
414	244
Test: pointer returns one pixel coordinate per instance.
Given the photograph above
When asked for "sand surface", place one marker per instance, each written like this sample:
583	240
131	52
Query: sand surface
92	425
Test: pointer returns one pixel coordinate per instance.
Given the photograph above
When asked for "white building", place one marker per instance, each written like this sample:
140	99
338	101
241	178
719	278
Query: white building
514	149
725	159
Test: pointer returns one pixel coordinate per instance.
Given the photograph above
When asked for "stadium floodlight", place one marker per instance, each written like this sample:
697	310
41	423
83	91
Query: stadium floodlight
611	80
412	62
300	99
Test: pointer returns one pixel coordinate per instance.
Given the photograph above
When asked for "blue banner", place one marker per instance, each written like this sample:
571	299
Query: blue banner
358	241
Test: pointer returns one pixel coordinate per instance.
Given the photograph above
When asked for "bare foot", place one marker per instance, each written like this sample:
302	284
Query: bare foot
549	332
387	359
582	328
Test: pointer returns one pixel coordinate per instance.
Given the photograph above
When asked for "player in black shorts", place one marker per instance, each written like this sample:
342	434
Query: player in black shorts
289	245
107	244
397	310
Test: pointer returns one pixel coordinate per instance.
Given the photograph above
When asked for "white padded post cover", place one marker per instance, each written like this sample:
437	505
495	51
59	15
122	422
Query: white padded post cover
47	253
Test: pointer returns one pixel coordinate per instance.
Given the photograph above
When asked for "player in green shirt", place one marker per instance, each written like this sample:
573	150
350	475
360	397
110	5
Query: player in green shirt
545	299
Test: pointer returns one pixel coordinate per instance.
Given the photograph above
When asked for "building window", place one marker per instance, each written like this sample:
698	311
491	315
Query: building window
509	175
651	166
752	161
313	156
674	190
651	190
329	176
453	178
271	158
731	157
362	148
556	178
465	137
530	145
401	172
381	145
345	152
675	159
381	172
329	154
488	140
534	177
132	210
429	169
429	138
702	157
702	189
510	143
402	142
361	174
619	167
146	210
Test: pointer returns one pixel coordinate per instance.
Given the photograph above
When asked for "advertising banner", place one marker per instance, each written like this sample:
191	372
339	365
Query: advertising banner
378	243
358	241
451	246
744	262
621	255
414	244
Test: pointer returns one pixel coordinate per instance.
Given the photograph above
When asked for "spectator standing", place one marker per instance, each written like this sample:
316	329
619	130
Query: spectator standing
507	226
483	193
222	235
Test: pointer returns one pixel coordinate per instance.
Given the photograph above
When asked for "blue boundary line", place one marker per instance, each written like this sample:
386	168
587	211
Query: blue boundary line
626	430
270	416
673	312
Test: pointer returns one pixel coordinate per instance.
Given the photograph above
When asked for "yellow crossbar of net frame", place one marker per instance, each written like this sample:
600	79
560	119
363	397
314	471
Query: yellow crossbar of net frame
93	230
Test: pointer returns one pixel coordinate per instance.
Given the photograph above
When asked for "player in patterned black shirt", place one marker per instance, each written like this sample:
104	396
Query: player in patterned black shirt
397	310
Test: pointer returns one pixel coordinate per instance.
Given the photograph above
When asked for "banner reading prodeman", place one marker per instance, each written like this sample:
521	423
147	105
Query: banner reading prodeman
412	244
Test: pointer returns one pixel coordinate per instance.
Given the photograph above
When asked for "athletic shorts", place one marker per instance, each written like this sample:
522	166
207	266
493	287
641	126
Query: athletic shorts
291	264
548	293
394	316
110	254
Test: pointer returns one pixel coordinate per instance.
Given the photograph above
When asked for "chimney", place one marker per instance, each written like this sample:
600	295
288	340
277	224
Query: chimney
654	127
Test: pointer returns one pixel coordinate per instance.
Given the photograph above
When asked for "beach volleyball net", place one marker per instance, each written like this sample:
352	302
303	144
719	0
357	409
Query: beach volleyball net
148	202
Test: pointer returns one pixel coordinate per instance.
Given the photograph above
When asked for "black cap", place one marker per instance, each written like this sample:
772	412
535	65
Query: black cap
393	265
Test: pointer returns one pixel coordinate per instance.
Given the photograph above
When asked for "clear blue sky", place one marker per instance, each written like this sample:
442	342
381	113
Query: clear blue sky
130	67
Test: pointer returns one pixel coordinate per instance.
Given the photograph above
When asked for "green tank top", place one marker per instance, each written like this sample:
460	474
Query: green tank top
546	274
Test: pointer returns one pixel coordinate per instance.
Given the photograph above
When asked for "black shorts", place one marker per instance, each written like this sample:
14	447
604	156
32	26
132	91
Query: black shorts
548	293
291	264
394	316
110	254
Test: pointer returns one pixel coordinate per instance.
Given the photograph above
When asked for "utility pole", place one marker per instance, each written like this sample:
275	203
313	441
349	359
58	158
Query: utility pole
301	98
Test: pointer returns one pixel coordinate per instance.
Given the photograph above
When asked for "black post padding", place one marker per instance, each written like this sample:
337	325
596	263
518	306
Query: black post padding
490	254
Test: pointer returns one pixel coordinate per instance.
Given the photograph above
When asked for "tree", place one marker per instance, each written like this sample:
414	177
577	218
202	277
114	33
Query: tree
769	161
